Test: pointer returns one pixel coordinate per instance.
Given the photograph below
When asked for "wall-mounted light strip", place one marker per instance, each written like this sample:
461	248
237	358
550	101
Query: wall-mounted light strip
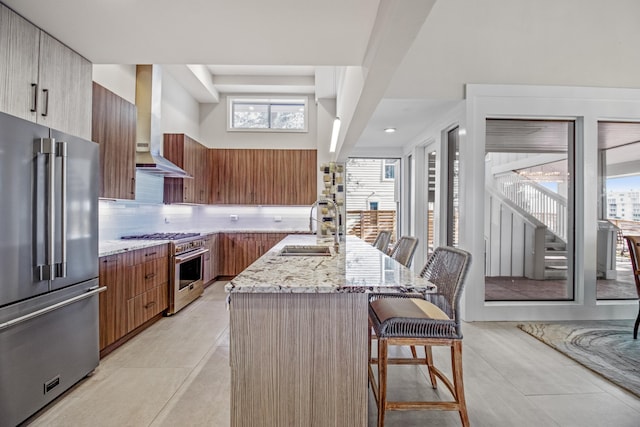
334	135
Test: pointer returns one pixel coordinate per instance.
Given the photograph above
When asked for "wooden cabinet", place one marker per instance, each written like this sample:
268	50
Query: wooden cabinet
192	157
113	318
42	80
263	177
137	291
114	129
19	44
239	250
211	258
148	288
64	83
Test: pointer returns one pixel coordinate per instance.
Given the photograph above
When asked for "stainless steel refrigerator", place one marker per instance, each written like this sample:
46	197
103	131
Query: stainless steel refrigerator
48	265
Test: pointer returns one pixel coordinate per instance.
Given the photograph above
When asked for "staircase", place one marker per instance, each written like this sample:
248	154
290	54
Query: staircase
555	257
547	207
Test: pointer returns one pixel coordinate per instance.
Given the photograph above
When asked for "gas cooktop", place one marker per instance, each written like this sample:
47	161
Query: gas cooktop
160	236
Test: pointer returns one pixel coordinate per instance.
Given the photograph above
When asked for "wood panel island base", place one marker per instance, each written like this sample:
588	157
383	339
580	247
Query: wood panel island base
299	334
299	359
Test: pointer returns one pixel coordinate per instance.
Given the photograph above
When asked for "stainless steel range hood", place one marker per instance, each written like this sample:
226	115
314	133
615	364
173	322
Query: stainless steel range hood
149	134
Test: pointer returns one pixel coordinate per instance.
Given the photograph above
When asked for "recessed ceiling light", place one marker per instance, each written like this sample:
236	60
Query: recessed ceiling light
390	130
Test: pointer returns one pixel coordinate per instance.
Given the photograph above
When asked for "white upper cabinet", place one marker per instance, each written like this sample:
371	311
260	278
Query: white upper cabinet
41	79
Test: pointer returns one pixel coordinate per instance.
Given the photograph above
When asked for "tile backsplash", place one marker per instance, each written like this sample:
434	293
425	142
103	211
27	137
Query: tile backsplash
121	218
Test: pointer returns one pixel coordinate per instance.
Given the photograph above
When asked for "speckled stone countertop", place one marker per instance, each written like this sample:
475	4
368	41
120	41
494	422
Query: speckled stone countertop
113	247
357	267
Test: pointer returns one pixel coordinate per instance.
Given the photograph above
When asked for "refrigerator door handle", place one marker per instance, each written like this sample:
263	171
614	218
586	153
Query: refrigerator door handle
61	267
46	146
13	322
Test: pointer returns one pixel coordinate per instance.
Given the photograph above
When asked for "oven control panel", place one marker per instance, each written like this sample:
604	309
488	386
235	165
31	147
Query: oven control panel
181	248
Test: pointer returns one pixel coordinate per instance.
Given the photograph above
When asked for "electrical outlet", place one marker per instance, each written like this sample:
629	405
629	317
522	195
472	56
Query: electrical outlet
233	217
277	218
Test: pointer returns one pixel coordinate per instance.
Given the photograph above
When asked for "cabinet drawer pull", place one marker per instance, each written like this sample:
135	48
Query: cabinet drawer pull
45	94
151	304
34	104
151	253
150	276
133	186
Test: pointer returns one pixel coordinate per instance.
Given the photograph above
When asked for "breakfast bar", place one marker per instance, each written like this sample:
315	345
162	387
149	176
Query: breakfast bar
299	331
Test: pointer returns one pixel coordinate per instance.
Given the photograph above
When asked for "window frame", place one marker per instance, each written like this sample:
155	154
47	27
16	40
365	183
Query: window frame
270	100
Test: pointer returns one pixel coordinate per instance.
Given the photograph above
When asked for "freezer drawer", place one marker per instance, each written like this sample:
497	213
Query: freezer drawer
45	355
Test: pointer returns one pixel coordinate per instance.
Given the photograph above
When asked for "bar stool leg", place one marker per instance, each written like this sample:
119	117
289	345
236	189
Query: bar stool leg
456	364
382	380
430	367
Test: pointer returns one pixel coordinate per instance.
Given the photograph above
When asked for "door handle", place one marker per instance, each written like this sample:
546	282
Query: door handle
46	146
45	94
61	151
91	292
34	104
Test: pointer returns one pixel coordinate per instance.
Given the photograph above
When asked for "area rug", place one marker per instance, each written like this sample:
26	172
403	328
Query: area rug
606	347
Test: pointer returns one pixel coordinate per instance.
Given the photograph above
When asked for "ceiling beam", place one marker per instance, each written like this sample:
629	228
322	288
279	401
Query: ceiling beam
396	27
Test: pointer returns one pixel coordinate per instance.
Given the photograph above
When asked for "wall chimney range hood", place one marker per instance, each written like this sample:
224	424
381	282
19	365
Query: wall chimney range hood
149	135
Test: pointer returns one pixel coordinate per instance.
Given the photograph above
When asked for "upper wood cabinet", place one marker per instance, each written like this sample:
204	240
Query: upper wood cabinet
263	177
114	129
42	80
191	156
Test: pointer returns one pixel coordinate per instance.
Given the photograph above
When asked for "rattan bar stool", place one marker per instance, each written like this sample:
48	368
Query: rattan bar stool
432	320
382	241
404	249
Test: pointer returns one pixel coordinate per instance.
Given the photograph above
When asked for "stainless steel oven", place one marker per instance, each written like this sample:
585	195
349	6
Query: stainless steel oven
187	265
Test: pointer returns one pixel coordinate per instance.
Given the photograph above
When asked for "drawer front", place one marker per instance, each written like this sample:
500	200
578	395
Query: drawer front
151	253
145	306
147	276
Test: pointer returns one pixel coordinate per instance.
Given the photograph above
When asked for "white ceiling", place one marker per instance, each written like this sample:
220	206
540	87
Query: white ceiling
290	46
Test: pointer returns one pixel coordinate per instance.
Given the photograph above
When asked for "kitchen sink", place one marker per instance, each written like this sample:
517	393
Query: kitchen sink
305	250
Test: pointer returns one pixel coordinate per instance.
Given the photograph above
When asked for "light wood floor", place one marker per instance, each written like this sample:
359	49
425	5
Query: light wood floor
176	373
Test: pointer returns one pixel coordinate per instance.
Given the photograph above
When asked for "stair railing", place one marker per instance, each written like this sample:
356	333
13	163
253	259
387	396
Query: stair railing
543	204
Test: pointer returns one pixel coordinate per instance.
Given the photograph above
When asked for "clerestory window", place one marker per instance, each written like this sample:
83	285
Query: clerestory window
277	114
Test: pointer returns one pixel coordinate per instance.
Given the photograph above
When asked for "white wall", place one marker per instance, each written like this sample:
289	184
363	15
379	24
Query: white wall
119	79
180	111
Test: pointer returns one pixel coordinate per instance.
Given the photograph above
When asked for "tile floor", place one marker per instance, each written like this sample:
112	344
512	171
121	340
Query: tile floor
176	373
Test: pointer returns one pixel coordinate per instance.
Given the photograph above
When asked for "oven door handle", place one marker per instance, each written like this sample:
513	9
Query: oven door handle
190	255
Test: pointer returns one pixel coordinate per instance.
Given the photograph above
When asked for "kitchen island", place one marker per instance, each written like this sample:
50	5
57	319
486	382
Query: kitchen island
298	340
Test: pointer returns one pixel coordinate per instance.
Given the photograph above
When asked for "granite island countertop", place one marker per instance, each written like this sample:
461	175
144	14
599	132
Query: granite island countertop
357	267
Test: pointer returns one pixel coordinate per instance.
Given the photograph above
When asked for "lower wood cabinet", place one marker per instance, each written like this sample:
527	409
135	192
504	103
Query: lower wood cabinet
239	250
211	258
113	319
137	290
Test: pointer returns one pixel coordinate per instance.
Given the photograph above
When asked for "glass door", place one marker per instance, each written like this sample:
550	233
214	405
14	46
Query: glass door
430	199
529	210
619	207
453	184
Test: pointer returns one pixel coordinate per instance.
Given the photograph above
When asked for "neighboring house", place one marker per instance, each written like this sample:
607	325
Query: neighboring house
371	184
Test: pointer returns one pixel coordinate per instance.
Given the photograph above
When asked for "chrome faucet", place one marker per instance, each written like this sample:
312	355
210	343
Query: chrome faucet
311	219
